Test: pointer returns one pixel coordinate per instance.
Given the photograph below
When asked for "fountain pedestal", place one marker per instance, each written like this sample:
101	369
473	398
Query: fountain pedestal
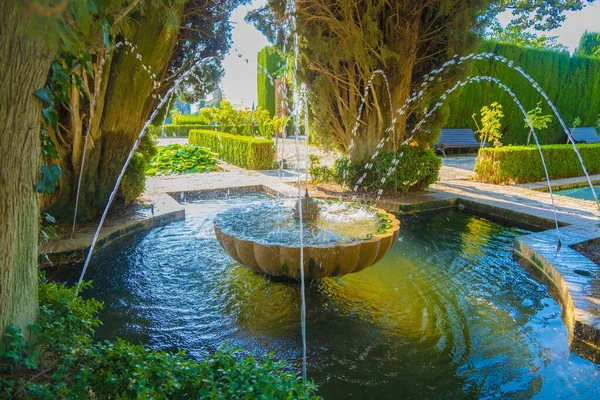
320	259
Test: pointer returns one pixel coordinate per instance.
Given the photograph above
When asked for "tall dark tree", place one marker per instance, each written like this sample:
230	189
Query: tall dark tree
160	40
342	42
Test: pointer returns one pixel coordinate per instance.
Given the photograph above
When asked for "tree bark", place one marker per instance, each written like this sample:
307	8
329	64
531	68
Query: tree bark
24	65
123	104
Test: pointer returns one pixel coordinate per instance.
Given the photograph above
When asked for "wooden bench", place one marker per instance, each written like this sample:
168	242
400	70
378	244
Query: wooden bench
456	139
585	135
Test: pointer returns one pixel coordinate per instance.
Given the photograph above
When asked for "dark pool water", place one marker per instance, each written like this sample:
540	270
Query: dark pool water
583	193
447	313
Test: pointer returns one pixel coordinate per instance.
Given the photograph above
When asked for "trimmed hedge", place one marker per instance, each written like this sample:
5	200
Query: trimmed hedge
181	130
573	84
270	59
243	151
522	164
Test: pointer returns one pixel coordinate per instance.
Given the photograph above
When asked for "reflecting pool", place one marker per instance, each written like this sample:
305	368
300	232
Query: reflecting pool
447	313
583	193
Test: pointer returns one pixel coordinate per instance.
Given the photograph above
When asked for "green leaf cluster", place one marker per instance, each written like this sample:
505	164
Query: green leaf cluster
522	164
134	180
589	45
491	124
63	361
229	119
182	159
243	151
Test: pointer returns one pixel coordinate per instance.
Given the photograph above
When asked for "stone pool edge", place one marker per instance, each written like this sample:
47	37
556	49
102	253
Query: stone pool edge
580	310
73	251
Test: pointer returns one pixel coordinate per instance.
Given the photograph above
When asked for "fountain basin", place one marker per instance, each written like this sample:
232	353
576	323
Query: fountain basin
331	255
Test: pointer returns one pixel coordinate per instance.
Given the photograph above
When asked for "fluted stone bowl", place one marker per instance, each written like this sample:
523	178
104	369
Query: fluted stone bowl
347	238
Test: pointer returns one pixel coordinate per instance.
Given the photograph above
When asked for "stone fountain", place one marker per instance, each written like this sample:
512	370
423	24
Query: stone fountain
339	238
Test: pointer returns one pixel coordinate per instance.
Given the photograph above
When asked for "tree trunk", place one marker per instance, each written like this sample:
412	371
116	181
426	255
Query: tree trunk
24	65
123	104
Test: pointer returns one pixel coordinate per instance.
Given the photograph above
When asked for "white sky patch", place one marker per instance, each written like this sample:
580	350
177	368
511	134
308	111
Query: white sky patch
239	82
576	23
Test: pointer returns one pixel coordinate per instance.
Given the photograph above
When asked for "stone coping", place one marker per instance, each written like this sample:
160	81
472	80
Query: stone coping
561	184
74	250
576	278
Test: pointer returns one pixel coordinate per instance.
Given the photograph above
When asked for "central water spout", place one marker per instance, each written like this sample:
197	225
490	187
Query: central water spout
310	209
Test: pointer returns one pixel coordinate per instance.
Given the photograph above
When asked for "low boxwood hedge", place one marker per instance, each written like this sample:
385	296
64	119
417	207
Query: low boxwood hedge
243	151
523	164
175	130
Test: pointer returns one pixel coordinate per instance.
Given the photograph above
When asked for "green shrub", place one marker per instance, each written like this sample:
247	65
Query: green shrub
269	66
243	151
182	159
62	361
134	180
343	171
416	168
522	164
318	173
410	169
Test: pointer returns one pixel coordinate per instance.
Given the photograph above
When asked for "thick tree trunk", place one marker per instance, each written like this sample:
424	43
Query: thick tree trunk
24	65
123	104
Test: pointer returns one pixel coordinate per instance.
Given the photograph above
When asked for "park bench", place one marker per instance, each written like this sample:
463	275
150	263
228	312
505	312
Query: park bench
456	139
585	135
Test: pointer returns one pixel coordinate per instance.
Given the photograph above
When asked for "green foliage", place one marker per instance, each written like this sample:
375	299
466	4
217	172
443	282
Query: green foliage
318	173
572	83
49	178
343	171
415	169
538	120
62	361
540	15
589	45
270	63
134	180
176	130
228	119
490	128
182	159
243	151
522	164
514	35
576	122
410	169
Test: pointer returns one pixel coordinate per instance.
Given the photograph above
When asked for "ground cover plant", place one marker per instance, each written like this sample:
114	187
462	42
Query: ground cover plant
182	159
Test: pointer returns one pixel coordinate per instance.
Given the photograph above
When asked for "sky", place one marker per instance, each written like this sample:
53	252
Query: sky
239	82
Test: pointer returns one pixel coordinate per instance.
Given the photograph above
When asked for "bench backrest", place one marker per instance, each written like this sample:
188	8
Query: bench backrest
587	135
458	137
